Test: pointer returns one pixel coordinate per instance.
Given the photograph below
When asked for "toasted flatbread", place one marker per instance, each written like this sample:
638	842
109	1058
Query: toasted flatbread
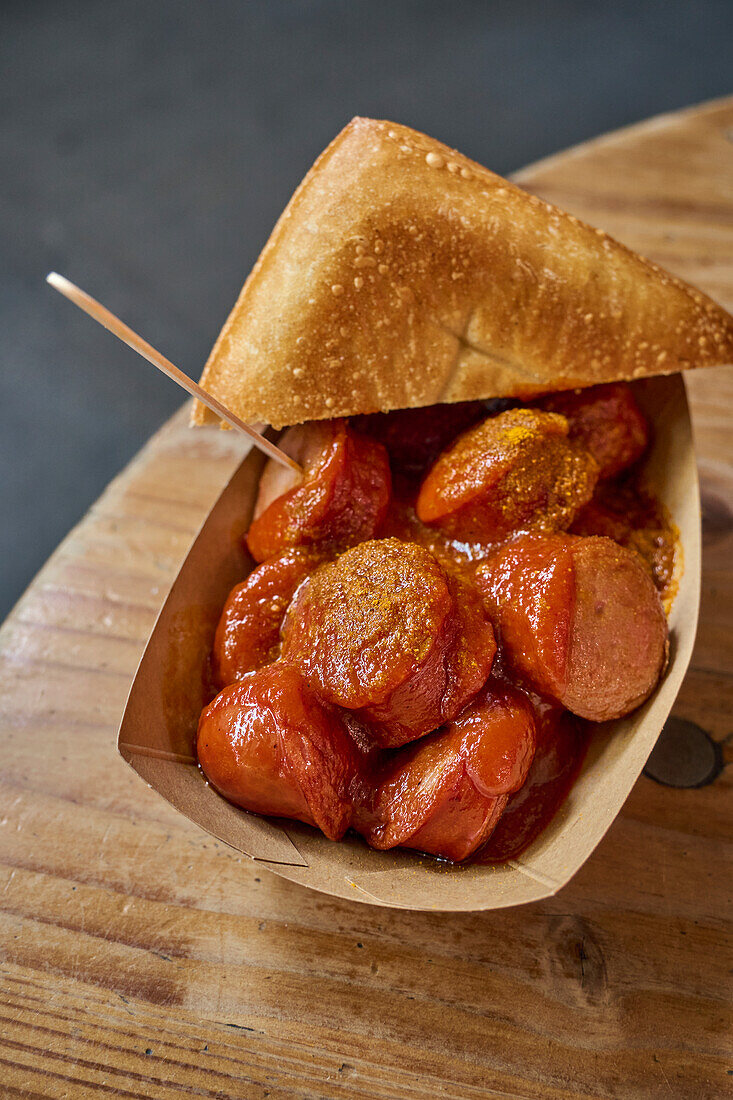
403	274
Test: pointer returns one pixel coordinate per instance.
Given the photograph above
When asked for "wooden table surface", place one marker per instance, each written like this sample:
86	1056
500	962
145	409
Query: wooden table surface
141	958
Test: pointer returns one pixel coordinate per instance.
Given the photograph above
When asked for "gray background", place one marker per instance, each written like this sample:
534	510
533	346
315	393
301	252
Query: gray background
147	147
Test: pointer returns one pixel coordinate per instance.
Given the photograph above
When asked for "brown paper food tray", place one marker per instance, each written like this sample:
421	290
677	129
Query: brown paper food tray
158	727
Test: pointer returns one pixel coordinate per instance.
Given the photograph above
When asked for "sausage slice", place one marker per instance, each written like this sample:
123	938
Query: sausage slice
248	634
267	744
607	421
620	639
513	472
445	794
342	498
579	619
472	656
378	632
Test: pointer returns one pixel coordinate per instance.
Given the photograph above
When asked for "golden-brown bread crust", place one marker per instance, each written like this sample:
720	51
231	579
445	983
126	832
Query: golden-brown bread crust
401	274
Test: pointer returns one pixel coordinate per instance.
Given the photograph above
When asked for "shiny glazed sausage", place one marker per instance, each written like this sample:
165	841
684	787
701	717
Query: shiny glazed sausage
560	747
248	634
513	472
342	498
470	661
579	619
267	744
607	421
378	632
445	794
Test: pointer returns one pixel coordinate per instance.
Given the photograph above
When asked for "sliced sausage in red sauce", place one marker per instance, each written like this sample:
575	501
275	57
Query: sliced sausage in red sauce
378	632
341	500
269	745
607	421
579	619
445	794
513	472
248	634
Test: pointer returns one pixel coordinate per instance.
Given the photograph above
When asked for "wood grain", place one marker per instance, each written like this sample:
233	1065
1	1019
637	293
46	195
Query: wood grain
141	958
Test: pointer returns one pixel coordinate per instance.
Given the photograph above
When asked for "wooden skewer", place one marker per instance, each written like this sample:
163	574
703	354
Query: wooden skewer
96	310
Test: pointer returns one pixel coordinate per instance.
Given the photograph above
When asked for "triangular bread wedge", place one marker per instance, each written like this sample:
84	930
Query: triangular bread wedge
403	274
